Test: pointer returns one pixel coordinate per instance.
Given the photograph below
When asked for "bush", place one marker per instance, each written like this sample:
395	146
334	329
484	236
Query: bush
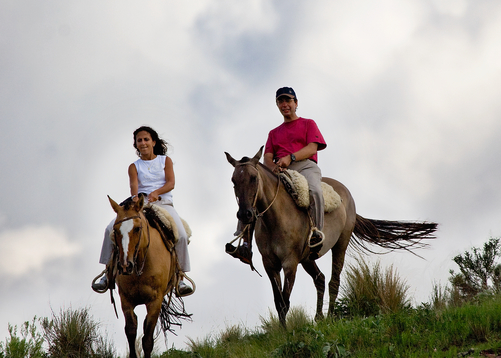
479	271
73	334
369	291
28	345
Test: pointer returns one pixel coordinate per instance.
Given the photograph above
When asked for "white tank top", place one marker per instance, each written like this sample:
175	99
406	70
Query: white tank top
151	176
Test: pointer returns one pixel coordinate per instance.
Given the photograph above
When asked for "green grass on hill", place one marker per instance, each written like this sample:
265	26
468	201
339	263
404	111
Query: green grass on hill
468	331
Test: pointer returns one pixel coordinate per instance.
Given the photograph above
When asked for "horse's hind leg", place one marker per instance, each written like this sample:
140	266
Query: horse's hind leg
319	279
338	253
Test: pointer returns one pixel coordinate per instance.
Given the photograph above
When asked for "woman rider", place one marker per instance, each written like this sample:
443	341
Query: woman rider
152	174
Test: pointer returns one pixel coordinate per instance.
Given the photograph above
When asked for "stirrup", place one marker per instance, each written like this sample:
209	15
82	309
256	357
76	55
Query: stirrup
312	234
94	284
239	252
193	288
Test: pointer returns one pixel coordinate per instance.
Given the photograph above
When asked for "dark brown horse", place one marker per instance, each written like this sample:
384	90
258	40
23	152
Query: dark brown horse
282	230
146	268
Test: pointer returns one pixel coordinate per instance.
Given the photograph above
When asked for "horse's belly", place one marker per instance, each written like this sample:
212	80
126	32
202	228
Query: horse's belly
334	225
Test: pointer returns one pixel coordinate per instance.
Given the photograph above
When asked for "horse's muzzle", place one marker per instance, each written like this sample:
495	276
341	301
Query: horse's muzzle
245	215
126	269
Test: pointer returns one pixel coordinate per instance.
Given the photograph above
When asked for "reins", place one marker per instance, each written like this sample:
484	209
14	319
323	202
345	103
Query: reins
256	214
136	249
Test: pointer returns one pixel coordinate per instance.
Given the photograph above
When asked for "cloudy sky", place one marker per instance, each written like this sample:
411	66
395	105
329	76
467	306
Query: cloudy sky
405	93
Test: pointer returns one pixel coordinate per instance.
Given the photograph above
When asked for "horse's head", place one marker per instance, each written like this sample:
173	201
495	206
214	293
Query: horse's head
246	184
127	233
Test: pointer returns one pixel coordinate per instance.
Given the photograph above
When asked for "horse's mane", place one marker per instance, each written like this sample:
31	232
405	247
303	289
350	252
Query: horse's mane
246	160
261	165
166	233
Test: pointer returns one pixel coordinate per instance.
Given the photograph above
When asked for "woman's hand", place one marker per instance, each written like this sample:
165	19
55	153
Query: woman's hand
153	196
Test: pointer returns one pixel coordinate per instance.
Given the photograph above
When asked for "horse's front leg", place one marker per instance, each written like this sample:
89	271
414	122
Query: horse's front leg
289	279
130	328
319	279
152	313
276	285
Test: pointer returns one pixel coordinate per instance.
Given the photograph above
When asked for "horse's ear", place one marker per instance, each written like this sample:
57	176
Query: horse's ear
114	205
230	159
258	155
138	205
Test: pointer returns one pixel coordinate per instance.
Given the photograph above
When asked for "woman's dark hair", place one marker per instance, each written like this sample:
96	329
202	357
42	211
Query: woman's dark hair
161	145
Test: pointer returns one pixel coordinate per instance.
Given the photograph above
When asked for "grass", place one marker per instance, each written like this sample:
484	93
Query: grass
374	319
412	332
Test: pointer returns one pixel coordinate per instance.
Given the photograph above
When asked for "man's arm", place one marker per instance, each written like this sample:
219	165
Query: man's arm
303	153
268	161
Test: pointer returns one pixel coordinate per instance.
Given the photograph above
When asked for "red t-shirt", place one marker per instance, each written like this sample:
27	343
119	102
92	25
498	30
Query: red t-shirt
289	137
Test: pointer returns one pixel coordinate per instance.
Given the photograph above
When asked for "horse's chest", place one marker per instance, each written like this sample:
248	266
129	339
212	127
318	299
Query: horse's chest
139	290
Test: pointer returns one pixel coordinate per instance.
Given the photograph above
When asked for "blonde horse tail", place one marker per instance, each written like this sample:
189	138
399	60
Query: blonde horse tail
173	311
392	235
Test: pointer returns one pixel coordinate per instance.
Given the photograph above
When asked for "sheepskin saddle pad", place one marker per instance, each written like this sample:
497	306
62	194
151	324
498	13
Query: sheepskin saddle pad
297	186
160	219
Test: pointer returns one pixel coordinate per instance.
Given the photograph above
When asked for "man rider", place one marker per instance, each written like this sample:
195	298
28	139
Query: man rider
293	145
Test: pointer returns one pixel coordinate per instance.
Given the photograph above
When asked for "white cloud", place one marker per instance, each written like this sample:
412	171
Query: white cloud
31	247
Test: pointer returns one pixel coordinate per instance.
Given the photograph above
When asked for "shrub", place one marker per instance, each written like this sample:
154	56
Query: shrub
479	271
369	291
29	345
74	334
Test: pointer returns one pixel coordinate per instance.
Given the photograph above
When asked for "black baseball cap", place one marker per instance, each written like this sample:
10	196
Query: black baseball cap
286	91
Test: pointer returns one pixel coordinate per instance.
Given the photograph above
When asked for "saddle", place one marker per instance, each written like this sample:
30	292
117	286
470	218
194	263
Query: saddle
297	186
160	219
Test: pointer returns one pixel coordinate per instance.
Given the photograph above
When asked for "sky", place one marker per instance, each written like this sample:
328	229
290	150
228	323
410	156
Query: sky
405	94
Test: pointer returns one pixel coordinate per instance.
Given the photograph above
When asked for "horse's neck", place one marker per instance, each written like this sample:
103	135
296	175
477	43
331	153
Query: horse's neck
272	192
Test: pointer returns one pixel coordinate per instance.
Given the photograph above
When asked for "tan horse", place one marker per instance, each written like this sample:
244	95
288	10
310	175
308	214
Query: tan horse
146	273
282	230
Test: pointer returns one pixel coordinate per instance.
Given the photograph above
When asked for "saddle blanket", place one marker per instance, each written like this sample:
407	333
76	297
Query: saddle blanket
297	186
164	216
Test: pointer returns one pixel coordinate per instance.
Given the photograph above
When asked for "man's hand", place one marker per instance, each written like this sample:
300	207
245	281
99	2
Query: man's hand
278	170
284	162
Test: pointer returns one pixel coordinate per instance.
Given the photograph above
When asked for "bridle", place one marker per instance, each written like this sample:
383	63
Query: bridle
255	212
136	249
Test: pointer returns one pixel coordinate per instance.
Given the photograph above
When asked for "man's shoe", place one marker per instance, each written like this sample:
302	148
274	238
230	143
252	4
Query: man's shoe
316	238
101	285
184	289
242	252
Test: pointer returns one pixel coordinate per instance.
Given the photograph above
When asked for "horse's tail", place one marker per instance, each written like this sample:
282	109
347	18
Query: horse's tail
172	313
392	235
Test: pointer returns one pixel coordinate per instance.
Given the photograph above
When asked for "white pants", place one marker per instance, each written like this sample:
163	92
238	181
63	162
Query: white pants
181	245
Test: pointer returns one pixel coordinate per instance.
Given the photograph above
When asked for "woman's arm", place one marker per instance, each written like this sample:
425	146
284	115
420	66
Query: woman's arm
170	181
133	182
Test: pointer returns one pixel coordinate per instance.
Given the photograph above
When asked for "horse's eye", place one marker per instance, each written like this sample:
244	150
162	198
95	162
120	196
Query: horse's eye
136	230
